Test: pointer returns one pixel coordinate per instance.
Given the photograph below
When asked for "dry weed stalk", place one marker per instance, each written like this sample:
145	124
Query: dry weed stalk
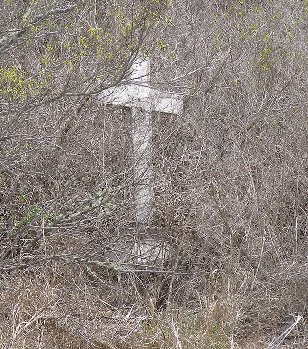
277	342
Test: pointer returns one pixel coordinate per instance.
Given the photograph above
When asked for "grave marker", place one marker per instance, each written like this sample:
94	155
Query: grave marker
142	99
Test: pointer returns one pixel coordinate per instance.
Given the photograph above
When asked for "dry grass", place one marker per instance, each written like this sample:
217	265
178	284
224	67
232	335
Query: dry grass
63	308
230	184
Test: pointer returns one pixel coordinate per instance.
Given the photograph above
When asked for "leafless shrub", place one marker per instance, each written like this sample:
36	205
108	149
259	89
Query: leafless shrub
224	257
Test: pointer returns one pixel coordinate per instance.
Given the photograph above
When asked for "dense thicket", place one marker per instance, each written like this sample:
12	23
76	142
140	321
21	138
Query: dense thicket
229	227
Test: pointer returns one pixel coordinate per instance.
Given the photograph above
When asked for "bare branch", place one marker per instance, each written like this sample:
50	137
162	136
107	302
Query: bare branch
14	34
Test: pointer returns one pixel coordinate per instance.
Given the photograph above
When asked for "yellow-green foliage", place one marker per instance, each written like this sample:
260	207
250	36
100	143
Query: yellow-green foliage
149	14
31	213
15	85
108	41
261	29
218	338
305	5
265	58
95	33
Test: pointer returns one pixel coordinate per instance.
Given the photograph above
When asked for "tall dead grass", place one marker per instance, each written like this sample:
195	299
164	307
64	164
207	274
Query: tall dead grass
230	200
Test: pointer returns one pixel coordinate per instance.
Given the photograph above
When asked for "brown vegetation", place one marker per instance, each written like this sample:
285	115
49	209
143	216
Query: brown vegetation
229	227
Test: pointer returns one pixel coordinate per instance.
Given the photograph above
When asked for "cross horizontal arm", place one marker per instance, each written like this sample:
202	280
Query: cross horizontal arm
143	97
166	102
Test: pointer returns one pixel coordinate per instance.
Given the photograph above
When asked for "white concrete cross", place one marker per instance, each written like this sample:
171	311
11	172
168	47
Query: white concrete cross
142	99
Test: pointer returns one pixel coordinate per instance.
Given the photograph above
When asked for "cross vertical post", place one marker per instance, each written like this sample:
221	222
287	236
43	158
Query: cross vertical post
143	172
